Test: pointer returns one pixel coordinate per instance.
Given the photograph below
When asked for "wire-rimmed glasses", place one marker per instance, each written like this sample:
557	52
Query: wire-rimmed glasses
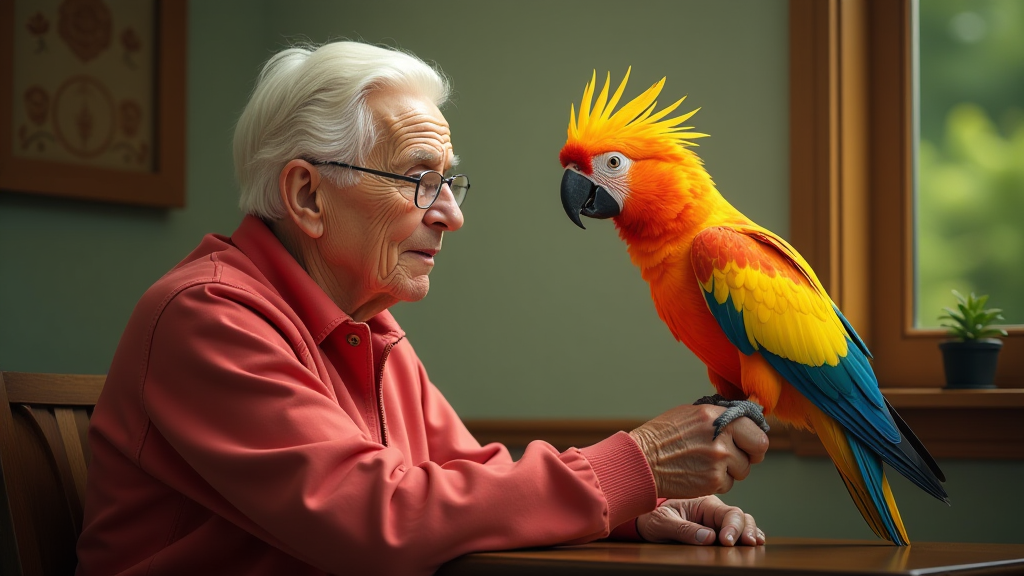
428	184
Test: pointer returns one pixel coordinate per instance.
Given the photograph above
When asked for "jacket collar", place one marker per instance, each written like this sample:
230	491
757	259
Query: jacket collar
312	305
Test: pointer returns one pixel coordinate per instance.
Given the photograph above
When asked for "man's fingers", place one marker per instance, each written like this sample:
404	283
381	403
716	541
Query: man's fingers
725	484
713	520
739	466
749	438
667	524
693	533
731	525
752	535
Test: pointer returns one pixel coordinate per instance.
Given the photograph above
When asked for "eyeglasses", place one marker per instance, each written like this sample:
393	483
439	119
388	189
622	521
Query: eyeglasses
428	184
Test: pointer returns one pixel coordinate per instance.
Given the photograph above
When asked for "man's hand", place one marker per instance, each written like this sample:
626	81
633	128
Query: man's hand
699	521
687	462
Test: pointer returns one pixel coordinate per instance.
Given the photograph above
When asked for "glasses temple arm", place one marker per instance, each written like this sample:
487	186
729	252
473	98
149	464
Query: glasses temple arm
372	171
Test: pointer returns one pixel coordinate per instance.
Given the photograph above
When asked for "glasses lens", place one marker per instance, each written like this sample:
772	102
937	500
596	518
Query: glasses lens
430	184
460	185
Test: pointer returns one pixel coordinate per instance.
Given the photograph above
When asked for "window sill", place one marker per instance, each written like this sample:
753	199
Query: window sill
979	424
973	424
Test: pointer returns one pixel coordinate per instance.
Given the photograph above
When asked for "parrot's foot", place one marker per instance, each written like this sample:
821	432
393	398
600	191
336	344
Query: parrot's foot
735	409
716	399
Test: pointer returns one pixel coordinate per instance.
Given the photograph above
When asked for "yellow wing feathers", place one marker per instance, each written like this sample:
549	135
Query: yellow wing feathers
780	308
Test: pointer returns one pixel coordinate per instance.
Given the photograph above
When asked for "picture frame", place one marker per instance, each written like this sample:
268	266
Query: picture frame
158	177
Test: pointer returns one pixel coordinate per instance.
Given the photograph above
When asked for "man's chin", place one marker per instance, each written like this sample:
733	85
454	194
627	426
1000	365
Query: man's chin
414	289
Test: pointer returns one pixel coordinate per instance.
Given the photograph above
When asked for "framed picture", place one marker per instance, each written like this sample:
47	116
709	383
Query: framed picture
93	99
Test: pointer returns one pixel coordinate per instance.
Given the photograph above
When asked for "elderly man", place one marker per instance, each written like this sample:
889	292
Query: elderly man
265	415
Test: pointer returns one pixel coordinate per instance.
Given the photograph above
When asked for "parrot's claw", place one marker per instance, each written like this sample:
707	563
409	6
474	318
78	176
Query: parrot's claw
716	400
735	409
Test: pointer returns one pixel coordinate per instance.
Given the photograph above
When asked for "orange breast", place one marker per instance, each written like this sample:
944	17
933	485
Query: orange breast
680	303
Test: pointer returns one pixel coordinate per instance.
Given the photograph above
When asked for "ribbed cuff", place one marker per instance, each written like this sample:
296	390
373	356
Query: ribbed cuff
624	476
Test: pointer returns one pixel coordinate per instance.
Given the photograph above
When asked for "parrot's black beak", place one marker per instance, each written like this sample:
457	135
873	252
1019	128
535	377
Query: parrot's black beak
580	196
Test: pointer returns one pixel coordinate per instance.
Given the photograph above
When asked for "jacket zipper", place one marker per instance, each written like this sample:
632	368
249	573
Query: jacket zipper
380	393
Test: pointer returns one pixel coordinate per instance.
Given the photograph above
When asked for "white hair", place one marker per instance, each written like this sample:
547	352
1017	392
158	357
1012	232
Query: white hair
311	104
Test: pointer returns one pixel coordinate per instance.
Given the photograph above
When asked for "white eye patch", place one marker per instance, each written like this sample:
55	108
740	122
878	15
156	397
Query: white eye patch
611	171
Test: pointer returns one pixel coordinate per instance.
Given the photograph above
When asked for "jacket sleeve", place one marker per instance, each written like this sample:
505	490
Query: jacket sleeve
271	450
447	436
450	440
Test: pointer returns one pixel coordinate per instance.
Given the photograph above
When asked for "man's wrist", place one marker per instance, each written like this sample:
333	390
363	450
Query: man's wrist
643	440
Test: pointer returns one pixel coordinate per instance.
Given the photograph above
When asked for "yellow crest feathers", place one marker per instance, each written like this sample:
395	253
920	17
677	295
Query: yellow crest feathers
636	120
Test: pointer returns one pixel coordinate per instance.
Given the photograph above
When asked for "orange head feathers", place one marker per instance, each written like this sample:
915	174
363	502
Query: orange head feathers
633	164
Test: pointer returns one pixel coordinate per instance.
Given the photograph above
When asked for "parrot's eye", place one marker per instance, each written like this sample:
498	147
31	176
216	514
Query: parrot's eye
612	164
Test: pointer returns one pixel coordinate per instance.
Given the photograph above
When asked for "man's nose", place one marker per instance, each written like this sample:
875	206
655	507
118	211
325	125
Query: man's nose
445	212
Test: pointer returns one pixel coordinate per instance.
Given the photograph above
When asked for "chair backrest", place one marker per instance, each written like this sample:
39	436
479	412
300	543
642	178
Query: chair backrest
44	456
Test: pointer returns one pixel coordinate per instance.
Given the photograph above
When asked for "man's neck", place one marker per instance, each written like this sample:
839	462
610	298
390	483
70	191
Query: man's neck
344	294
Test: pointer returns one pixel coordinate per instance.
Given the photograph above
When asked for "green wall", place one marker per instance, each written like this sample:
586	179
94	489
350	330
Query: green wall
528	316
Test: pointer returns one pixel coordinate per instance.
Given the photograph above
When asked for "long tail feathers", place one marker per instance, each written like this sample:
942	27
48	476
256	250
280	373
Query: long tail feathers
861	470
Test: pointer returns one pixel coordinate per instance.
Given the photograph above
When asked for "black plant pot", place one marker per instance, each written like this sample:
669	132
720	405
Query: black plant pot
970	363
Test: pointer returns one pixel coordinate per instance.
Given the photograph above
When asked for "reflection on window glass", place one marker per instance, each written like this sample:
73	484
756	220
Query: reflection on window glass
970	182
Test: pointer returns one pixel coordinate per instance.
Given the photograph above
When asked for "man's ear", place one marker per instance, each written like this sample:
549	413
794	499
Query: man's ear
299	185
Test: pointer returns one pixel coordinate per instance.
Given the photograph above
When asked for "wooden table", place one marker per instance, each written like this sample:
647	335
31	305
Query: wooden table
782	556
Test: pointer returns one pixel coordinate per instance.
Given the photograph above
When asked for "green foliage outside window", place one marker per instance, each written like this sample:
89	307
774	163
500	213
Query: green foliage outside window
970	195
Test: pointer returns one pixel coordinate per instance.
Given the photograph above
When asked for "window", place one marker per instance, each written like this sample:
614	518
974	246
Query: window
852	176
969	206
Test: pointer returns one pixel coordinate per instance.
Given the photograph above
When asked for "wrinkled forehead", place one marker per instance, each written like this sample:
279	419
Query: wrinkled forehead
411	125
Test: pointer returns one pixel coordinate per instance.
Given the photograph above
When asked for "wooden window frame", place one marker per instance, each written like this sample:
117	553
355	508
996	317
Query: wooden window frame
852	172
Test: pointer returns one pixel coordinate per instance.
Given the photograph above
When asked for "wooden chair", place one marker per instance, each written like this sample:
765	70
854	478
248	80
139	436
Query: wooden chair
44	455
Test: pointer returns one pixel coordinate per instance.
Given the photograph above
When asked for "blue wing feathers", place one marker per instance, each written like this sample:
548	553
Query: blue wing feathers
847	392
731	321
871	470
898	453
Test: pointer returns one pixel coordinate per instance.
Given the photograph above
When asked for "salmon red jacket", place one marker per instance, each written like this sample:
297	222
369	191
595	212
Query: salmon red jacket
249	426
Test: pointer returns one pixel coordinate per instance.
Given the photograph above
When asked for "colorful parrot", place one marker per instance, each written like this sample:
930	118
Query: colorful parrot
739	296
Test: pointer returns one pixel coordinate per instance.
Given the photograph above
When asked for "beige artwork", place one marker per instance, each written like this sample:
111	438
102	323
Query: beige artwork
84	73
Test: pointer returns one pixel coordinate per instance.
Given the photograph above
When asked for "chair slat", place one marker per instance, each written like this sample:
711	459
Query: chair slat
46	424
73	447
25	549
82	423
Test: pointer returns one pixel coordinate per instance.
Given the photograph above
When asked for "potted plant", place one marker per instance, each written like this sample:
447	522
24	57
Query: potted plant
970	358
